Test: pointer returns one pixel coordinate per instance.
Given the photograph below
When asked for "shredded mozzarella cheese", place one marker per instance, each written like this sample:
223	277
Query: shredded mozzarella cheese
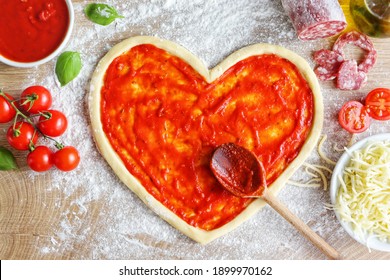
322	154
317	168
363	198
318	175
312	183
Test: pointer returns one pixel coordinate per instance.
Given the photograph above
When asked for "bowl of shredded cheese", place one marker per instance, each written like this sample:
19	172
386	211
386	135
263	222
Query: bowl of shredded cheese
360	191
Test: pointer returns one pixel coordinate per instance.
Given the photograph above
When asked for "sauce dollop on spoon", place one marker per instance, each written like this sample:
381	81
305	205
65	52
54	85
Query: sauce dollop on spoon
239	171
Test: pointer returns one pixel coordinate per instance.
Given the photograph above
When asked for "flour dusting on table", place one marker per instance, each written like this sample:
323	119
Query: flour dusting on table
126	228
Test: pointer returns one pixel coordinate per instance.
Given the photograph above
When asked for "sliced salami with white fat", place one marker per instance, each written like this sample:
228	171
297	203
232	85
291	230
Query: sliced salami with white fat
313	19
350	77
362	41
328	64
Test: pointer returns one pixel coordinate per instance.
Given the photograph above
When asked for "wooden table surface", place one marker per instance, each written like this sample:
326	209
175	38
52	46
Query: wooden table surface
30	215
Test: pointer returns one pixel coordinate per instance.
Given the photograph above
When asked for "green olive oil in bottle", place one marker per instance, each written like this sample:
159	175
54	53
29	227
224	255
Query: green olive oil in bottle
371	17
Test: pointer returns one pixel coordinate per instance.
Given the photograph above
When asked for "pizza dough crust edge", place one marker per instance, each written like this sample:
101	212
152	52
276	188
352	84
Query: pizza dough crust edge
199	235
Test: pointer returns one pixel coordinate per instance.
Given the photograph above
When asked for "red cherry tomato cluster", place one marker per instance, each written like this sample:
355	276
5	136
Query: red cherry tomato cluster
355	116
33	118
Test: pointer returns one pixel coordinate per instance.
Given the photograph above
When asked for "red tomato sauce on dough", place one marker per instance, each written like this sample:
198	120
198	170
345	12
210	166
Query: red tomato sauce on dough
30	30
164	121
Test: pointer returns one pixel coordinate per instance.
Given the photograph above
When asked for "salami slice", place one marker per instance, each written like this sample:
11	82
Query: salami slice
350	77
362	41
313	19
325	74
328	64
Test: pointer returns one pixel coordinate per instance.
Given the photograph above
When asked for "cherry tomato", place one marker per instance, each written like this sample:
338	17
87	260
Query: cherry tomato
378	103
52	123
354	117
22	136
35	99
66	159
40	159
7	112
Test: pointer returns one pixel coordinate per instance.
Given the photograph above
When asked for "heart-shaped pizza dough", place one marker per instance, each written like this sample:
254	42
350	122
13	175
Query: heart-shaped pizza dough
158	113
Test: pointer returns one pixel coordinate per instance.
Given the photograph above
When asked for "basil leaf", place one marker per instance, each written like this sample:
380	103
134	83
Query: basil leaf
102	14
68	66
7	159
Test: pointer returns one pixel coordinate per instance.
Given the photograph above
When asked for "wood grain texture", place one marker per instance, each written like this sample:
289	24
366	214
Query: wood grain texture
31	212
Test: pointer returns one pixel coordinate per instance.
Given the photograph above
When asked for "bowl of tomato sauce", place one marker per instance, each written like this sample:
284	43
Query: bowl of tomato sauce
33	32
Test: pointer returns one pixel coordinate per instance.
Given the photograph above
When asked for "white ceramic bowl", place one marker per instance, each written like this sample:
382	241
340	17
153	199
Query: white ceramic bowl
53	54
372	242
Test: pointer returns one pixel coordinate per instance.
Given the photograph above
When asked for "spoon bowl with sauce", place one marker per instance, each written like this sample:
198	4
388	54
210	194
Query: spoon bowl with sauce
239	171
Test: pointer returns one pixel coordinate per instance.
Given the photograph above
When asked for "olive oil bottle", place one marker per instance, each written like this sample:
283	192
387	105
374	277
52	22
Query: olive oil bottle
371	17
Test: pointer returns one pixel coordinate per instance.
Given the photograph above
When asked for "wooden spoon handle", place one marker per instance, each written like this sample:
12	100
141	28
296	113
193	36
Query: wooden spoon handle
304	229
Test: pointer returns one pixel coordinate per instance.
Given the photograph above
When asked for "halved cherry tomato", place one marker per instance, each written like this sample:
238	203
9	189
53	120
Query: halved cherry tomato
52	123
40	159
35	99
354	117
378	104
7	112
66	159
22	135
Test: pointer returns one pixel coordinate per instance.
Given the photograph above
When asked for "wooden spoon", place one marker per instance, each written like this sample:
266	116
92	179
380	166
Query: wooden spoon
240	172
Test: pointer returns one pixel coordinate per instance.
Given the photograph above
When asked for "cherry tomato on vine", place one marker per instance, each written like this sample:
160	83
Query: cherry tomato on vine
378	104
7	112
354	117
21	135
52	123
67	158
35	99
40	159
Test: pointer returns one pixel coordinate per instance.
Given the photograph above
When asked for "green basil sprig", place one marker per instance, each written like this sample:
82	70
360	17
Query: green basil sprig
102	14
7	159
68	66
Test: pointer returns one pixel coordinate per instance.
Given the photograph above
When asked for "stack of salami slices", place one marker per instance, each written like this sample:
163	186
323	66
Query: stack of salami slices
348	73
314	19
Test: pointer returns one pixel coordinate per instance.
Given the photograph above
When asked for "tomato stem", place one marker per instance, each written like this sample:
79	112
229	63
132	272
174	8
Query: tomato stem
31	145
29	99
28	119
46	115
